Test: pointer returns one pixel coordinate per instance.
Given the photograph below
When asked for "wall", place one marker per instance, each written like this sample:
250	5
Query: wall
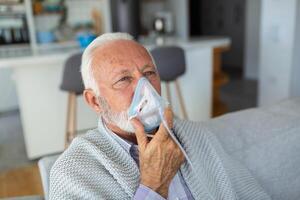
277	37
251	54
149	8
295	80
181	16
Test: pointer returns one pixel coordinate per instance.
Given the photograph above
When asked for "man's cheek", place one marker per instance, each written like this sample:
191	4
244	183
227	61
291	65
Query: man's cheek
124	101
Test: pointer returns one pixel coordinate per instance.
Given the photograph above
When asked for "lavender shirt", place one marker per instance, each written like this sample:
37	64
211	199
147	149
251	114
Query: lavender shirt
177	190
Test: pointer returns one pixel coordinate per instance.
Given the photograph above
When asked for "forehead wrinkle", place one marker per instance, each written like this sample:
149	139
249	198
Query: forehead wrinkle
121	50
132	46
101	59
115	54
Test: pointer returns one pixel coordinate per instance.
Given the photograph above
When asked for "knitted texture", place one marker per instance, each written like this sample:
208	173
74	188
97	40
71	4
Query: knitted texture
95	166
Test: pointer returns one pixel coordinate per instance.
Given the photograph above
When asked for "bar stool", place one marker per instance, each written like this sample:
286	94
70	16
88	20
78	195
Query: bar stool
72	83
170	63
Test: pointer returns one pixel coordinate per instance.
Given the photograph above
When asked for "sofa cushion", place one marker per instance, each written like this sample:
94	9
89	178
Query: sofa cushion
267	141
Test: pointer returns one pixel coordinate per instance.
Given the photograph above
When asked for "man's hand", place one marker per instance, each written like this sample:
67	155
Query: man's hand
159	158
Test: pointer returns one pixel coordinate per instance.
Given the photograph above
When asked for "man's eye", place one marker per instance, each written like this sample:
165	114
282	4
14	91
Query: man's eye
125	78
149	73
123	82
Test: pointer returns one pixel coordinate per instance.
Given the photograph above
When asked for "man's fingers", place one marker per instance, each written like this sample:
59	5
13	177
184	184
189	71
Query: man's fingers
140	134
162	132
169	117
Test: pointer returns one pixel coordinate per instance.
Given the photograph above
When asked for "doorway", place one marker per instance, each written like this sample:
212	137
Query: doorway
227	18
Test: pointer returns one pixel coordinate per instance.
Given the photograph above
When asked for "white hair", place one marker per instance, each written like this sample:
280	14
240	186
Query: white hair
87	58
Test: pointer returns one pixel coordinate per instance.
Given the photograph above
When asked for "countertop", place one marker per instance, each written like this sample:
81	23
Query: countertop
55	55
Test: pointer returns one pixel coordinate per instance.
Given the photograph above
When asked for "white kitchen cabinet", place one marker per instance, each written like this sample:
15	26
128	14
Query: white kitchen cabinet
8	95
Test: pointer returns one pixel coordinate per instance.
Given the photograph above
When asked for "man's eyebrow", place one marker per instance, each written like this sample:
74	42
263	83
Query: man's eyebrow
123	71
126	71
146	66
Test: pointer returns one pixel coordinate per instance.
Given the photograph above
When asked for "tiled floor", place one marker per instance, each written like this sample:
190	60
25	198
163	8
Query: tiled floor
23	181
239	94
18	175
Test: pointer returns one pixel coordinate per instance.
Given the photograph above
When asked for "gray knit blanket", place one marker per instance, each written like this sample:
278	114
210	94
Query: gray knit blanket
95	166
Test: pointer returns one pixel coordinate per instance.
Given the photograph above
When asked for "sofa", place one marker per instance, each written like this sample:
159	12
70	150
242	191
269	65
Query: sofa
265	140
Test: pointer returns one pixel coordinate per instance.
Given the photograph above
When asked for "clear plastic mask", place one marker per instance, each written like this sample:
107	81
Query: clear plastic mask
146	105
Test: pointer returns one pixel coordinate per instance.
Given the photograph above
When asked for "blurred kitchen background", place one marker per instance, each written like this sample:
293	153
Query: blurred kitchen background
239	54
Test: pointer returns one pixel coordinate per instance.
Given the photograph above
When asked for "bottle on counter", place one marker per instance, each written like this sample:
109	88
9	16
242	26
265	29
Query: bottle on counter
17	38
8	36
2	40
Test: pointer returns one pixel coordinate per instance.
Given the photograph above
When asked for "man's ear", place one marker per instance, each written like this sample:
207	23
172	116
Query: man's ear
92	100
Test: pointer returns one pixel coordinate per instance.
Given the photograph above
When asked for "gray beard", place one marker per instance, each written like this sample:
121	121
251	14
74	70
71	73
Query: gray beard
119	119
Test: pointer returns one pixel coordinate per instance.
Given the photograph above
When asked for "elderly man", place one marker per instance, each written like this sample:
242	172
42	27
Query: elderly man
119	161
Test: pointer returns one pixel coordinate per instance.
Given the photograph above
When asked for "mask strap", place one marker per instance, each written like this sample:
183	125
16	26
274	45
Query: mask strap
174	138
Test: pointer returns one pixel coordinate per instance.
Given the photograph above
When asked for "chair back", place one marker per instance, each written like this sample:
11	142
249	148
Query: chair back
170	62
45	164
72	81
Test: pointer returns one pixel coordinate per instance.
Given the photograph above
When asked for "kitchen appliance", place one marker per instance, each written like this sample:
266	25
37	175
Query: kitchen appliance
163	22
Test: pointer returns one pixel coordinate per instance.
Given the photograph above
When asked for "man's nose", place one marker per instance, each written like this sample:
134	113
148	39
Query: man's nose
138	75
